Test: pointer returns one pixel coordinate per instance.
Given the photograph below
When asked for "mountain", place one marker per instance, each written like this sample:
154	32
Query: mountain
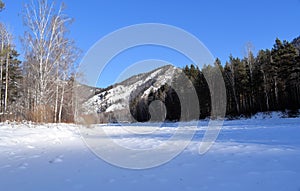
113	103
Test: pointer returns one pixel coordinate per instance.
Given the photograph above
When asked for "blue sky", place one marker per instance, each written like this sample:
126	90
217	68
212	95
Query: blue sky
223	26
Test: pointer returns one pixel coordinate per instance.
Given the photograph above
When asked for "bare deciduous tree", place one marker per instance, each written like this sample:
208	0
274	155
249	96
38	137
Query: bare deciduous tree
5	49
50	56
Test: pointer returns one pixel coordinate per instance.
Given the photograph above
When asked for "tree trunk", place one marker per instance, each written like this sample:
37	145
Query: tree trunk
6	81
56	103
1	71
61	103
265	91
276	90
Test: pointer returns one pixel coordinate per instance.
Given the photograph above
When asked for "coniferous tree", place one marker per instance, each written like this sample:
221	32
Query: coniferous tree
10	74
2	5
284	61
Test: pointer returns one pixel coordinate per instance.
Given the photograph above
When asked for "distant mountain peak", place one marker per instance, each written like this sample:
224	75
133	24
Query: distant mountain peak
116	98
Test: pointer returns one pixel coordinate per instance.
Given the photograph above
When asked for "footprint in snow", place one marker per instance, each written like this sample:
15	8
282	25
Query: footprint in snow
11	153
57	159
23	166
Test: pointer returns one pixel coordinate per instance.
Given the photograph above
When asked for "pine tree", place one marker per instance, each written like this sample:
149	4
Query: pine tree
263	81
284	61
2	5
10	73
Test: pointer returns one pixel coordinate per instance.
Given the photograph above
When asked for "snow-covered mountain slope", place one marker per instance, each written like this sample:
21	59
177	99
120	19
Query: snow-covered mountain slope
117	97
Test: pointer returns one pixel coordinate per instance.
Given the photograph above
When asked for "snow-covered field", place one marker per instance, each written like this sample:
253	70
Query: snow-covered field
254	154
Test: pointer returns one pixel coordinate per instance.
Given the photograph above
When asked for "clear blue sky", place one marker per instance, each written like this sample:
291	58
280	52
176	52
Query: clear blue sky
223	26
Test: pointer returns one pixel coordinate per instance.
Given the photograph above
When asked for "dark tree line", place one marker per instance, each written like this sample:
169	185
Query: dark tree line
169	109
269	81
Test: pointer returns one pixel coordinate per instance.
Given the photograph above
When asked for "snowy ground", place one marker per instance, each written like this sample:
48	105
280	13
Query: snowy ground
256	154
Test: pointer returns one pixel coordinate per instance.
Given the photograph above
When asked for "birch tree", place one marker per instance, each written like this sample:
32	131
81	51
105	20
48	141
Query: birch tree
250	59
6	43
48	51
3	35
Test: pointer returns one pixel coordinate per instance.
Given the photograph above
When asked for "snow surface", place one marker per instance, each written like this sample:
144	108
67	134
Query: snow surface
249	154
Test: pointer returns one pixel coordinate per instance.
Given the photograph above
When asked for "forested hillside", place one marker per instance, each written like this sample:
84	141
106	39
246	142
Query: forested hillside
269	81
